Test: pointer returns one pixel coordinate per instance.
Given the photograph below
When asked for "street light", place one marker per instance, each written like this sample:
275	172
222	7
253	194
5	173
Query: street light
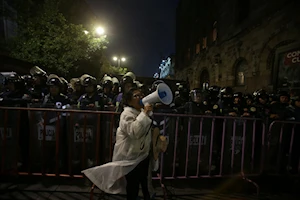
100	31
115	58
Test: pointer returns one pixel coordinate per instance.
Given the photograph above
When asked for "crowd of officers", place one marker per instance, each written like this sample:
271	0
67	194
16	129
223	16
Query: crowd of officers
283	105
51	91
86	92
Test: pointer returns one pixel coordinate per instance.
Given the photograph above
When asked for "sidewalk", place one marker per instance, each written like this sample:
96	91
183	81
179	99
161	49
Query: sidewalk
58	189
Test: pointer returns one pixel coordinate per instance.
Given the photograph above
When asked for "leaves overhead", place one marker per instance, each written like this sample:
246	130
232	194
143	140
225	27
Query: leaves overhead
48	39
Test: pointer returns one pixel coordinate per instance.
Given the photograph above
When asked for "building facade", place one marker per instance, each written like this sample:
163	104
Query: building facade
246	44
8	26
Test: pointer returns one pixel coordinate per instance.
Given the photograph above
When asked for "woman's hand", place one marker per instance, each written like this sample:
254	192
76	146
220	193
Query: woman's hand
148	108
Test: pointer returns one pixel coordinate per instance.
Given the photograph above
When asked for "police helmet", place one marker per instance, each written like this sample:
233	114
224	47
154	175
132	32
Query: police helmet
107	81
63	80
226	92
238	95
126	79
87	80
131	75
115	81
196	94
36	71
54	80
13	77
155	84
248	96
283	93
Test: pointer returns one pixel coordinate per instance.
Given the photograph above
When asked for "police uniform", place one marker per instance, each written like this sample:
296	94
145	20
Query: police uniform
91	99
55	100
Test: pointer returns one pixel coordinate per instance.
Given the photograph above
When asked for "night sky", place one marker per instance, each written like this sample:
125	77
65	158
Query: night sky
143	31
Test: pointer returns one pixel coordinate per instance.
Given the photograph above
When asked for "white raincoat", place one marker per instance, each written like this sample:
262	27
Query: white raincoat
132	146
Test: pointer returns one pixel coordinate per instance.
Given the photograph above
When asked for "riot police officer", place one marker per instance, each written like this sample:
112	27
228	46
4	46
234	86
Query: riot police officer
91	99
127	82
237	103
183	95
107	86
213	99
116	85
55	97
226	102
78	90
195	106
39	90
15	94
278	108
249	108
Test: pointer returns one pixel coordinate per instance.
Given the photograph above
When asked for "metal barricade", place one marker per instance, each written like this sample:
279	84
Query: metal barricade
227	146
9	133
194	145
48	145
283	148
64	142
90	138
239	145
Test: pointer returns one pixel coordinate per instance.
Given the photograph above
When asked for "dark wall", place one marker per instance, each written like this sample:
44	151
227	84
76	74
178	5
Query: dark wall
8	64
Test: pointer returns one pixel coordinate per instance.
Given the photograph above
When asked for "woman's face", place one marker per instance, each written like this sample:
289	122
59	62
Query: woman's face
135	100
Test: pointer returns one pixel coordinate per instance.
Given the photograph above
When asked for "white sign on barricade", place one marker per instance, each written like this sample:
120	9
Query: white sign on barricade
8	133
194	140
50	132
79	131
237	145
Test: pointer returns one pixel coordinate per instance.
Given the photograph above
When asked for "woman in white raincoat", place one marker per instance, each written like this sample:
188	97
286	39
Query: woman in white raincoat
130	163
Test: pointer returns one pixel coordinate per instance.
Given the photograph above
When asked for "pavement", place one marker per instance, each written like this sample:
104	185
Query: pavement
57	189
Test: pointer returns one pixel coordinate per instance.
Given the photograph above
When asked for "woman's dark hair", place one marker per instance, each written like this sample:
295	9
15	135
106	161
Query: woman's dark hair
128	95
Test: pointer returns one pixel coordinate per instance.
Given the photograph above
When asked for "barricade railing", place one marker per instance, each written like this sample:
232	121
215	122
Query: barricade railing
283	148
207	139
56	142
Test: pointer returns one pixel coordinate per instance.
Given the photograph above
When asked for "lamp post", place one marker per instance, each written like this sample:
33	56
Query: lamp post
98	31
119	60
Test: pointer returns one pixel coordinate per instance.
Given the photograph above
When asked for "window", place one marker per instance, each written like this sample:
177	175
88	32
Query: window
241	67
240	78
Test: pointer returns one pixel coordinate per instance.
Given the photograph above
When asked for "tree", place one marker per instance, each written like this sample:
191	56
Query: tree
107	68
47	39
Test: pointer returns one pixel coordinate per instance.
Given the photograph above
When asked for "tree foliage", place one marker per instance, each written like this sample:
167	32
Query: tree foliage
107	68
49	40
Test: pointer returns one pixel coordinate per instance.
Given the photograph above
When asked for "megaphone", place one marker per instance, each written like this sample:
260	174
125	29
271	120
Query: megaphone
162	94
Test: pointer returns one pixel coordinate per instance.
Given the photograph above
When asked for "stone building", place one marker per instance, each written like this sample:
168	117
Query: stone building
246	44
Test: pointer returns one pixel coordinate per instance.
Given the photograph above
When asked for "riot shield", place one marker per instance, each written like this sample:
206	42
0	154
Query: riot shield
91	139
237	155
47	141
9	139
280	146
194	146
